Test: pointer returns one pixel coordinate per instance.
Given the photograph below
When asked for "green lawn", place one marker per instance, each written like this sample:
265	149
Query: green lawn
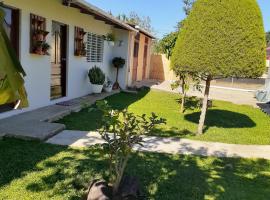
33	170
225	122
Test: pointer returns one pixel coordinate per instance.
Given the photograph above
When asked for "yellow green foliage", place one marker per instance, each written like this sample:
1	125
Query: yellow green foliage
223	38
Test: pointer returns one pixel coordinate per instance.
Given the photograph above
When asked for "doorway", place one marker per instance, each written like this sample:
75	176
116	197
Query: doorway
58	60
136	57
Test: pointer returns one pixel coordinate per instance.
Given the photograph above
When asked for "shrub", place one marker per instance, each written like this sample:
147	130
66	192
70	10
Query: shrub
118	62
121	131
96	76
221	39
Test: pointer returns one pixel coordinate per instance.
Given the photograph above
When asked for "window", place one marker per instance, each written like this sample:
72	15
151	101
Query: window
95	48
11	26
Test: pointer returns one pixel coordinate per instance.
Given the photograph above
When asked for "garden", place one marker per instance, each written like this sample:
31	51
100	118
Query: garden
226	122
33	170
114	170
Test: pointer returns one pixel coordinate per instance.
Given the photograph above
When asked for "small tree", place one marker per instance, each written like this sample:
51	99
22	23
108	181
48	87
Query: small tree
221	39
118	63
121	131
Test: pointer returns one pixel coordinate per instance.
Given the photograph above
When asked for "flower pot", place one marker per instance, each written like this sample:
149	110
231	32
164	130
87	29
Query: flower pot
39	37
108	89
39	51
96	89
111	43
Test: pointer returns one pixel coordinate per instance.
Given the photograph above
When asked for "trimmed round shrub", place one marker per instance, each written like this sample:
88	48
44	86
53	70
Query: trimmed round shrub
222	38
96	76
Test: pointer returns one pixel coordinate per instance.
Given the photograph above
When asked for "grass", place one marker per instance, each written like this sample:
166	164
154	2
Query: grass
225	122
33	170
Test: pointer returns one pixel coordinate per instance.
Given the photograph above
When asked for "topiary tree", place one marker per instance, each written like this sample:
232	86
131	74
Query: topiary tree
221	39
118	63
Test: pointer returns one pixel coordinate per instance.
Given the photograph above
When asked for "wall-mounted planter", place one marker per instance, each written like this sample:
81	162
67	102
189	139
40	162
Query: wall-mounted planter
38	34
111	43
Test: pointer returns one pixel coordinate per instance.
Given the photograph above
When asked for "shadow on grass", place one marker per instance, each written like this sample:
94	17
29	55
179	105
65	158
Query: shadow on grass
172	132
167	177
62	173
90	121
222	119
191	103
18	157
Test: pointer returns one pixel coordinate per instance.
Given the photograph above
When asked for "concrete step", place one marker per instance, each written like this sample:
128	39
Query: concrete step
34	130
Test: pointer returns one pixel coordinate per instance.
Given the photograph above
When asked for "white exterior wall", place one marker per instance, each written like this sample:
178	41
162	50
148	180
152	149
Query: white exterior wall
38	68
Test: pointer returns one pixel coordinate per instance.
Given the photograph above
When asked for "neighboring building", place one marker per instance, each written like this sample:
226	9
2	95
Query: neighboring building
141	43
62	75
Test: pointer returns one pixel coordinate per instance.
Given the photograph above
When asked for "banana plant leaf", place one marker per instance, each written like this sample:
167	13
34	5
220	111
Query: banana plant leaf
11	72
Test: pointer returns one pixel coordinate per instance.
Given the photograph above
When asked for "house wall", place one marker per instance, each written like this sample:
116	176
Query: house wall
38	68
141	58
160	68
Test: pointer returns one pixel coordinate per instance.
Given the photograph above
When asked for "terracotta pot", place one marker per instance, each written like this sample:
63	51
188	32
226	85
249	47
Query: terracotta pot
39	51
39	37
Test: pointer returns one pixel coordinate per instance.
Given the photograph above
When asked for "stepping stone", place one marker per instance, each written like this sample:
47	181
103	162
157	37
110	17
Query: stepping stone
32	130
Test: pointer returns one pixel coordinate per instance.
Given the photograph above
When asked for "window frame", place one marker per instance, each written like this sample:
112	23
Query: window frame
94	48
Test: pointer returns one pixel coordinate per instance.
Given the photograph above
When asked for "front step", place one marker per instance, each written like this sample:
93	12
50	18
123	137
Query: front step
33	130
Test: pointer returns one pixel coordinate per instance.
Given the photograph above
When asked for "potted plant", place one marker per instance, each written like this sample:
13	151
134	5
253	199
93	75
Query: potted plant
38	48
45	48
40	35
110	37
121	131
118	63
97	79
108	86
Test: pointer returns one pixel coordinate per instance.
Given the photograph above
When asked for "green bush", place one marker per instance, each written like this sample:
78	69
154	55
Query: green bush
96	76
118	62
224	38
221	39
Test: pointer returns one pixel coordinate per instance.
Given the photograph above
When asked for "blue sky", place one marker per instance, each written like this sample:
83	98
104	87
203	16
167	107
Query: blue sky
164	13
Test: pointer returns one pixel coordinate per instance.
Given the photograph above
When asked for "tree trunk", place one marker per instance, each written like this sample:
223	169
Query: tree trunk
183	96
120	176
117	72
204	106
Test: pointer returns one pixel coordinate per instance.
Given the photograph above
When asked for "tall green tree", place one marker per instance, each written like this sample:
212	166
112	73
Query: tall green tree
221	39
143	22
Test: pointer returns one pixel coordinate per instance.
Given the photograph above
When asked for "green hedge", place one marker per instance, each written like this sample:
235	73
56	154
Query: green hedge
222	38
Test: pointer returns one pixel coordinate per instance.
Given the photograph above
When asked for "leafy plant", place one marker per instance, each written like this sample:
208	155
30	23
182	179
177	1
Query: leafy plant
110	37
11	73
45	48
96	76
214	48
118	62
108	83
121	131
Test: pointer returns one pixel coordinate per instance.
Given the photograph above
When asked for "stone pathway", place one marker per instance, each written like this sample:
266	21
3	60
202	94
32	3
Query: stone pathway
36	124
169	145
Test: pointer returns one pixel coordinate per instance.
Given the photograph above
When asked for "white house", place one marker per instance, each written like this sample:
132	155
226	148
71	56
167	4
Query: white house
62	74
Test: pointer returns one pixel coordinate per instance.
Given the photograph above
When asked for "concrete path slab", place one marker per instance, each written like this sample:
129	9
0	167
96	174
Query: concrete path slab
168	145
37	124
